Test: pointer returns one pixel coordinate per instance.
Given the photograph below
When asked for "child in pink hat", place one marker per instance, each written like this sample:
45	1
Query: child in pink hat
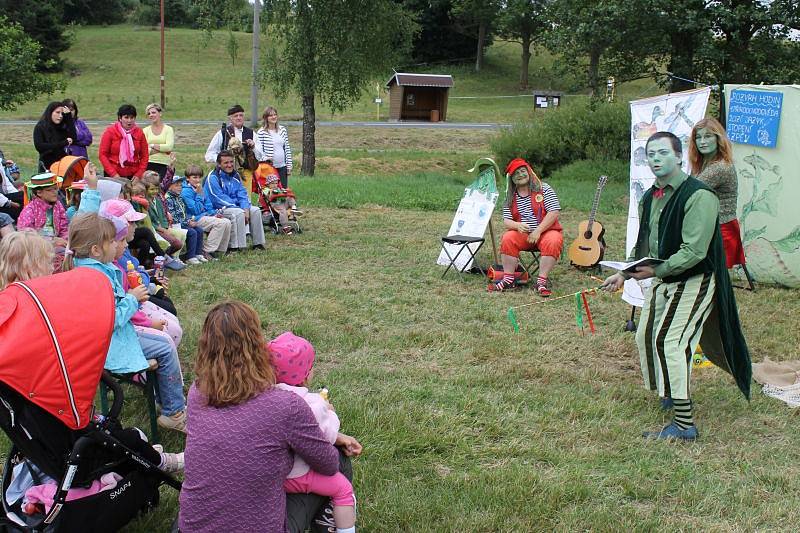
293	359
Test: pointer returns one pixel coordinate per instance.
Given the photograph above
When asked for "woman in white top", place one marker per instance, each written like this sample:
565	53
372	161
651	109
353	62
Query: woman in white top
160	140
272	145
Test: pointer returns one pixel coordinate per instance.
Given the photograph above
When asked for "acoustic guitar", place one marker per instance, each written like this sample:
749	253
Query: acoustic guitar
587	249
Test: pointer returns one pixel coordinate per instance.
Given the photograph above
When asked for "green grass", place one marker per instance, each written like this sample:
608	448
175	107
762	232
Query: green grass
111	65
467	426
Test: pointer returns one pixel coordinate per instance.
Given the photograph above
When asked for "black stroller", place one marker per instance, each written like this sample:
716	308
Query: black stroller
50	368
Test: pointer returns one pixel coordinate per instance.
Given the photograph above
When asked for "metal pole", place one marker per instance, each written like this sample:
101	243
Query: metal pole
163	97
256	57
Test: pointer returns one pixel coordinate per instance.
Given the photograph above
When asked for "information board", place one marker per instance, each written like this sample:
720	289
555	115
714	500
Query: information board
754	117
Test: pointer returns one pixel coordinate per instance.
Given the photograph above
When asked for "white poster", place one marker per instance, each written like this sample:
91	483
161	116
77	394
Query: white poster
676	113
472	217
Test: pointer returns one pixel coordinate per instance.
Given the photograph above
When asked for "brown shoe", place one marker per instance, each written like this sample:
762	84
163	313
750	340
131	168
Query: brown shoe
176	422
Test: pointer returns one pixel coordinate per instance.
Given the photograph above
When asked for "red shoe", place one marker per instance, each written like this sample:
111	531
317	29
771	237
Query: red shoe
543	290
500	286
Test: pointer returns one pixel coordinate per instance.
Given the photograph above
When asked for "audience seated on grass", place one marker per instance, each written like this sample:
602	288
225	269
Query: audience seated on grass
224	188
244	434
93	239
45	214
172	185
27	255
200	209
293	359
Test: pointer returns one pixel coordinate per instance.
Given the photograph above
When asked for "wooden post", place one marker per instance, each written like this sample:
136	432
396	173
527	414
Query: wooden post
256	57
163	96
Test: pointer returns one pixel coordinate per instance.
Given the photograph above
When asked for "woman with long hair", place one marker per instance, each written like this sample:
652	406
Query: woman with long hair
530	216
83	137
160	140
272	145
711	159
244	433
52	135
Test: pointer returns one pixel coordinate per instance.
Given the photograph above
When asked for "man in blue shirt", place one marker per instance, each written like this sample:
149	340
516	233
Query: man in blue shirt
224	188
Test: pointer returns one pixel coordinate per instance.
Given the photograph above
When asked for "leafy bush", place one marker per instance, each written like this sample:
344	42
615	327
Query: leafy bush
585	130
576	182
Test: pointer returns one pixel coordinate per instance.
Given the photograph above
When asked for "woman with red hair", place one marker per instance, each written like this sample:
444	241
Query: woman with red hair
711	158
530	216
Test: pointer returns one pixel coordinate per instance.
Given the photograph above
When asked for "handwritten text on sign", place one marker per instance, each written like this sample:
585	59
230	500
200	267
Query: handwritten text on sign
754	117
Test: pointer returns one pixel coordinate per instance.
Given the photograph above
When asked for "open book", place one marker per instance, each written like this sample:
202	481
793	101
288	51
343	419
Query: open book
631	267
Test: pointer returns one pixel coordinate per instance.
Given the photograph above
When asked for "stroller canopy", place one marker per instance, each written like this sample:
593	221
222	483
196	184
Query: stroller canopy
54	338
69	167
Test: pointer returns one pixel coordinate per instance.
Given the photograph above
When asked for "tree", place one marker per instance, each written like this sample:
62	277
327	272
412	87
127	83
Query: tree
18	52
523	21
477	16
96	11
41	21
332	50
438	38
602	38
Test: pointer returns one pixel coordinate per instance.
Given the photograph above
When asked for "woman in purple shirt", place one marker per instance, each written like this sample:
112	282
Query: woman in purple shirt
243	434
83	137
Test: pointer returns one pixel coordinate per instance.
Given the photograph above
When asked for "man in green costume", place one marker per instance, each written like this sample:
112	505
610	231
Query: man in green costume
690	300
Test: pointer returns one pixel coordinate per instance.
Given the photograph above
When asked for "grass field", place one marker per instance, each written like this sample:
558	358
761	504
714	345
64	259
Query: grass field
467	426
110	65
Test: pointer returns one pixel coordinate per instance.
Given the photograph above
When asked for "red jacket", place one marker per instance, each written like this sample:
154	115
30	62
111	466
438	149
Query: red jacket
109	153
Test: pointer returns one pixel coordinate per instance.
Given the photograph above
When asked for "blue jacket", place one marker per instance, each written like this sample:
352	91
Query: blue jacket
125	353
226	190
197	205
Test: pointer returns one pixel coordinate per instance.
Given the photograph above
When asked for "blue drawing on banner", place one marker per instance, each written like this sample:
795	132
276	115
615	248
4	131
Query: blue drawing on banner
482	212
460	225
754	117
679	112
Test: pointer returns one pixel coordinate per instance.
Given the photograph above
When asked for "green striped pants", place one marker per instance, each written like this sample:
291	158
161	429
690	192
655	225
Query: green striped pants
669	332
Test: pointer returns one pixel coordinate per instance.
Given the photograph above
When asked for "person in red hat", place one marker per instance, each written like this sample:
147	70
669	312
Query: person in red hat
530	216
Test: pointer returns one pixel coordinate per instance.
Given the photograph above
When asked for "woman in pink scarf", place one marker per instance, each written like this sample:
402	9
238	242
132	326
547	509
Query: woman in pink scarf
123	147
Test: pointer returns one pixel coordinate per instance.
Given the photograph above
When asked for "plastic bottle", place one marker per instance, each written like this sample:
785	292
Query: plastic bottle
158	265
134	279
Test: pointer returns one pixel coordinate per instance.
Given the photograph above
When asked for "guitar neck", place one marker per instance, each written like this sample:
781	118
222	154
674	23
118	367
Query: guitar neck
595	203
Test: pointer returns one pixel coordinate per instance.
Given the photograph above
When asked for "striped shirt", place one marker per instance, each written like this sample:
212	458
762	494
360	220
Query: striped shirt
526	211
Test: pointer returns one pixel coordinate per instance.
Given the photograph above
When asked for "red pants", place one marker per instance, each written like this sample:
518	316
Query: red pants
549	244
732	242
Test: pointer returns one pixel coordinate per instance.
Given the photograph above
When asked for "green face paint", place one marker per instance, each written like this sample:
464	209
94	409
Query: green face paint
520	176
663	160
706	142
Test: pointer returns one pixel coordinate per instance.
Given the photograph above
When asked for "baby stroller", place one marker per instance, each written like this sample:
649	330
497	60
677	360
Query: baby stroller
50	368
269	215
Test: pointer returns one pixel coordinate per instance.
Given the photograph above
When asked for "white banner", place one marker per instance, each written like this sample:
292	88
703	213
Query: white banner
676	113
472	216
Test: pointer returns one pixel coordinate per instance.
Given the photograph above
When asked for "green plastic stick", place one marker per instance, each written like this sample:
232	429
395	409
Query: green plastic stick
512	317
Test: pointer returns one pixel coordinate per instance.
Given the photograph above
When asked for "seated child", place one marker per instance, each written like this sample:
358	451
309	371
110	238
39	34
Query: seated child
178	212
159	321
26	255
74	197
6	225
293	359
282	201
200	209
45	214
93	239
157	211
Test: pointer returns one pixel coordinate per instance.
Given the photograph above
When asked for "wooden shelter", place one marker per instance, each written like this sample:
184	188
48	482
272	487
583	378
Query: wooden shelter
418	96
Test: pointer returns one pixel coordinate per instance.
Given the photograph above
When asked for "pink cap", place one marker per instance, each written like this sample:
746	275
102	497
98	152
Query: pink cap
292	357
122	209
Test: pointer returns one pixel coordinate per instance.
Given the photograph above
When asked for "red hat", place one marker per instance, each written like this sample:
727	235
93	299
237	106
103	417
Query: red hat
514	164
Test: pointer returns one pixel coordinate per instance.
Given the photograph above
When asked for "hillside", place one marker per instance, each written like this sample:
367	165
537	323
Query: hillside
109	65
